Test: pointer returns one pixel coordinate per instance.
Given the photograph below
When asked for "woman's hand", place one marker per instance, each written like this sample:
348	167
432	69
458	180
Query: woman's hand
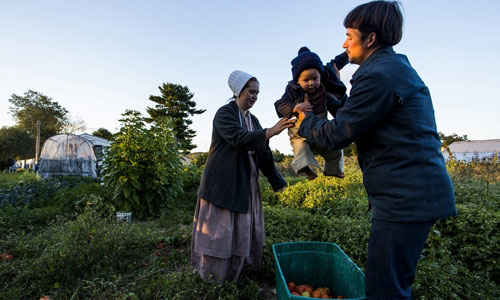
279	127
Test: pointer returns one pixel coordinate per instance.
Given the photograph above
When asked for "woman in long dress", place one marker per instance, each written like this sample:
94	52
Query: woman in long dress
228	224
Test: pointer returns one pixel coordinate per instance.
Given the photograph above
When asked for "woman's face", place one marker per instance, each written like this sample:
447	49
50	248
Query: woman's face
356	48
248	96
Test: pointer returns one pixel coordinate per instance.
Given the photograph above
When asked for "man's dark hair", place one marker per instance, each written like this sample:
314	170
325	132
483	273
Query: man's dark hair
382	17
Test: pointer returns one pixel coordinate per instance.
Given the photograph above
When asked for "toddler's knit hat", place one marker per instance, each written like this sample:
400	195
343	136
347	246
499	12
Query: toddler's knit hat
305	60
237	80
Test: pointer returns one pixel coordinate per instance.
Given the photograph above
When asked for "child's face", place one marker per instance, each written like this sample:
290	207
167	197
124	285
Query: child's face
309	80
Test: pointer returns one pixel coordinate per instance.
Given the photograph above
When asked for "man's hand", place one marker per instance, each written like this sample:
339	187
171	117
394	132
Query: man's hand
336	71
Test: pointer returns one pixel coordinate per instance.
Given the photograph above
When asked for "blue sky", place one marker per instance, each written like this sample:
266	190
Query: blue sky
99	58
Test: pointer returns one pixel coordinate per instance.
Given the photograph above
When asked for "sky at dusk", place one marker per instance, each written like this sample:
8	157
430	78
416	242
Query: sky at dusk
99	58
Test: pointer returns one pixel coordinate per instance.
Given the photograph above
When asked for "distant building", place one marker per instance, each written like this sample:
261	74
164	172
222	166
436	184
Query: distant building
98	143
473	150
72	155
100	146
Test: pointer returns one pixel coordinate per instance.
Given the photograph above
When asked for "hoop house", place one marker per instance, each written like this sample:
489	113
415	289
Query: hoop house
67	155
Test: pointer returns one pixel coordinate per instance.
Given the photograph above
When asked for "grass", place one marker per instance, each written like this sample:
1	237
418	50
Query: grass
9	178
55	254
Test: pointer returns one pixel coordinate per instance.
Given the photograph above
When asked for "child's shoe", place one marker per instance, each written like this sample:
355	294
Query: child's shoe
338	175
309	173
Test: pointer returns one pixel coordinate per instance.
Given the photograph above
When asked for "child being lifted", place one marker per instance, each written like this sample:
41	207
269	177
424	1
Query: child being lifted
320	87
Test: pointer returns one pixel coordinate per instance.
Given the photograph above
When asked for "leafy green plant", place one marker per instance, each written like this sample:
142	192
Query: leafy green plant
31	191
290	225
329	196
189	286
55	254
142	167
191	176
466	244
67	254
73	198
472	237
443	275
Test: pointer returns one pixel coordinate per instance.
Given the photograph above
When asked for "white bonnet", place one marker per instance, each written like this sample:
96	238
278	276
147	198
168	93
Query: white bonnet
237	80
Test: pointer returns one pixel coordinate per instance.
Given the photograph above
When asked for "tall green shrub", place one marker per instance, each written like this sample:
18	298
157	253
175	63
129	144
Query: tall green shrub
143	167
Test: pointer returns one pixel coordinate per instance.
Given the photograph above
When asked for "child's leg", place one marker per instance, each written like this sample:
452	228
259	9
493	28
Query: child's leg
303	156
334	162
334	159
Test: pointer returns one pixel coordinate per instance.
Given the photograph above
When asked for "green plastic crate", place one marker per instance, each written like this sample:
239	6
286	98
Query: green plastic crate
317	264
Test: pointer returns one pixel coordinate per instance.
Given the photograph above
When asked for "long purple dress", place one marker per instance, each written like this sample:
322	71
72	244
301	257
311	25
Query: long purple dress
224	242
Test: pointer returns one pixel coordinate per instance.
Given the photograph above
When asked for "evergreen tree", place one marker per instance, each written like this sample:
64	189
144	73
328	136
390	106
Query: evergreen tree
175	103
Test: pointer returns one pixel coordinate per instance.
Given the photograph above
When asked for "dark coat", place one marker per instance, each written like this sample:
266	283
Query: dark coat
226	177
389	114
334	87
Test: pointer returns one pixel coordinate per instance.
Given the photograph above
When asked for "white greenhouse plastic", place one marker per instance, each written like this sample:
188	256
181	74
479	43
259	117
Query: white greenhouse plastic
67	155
